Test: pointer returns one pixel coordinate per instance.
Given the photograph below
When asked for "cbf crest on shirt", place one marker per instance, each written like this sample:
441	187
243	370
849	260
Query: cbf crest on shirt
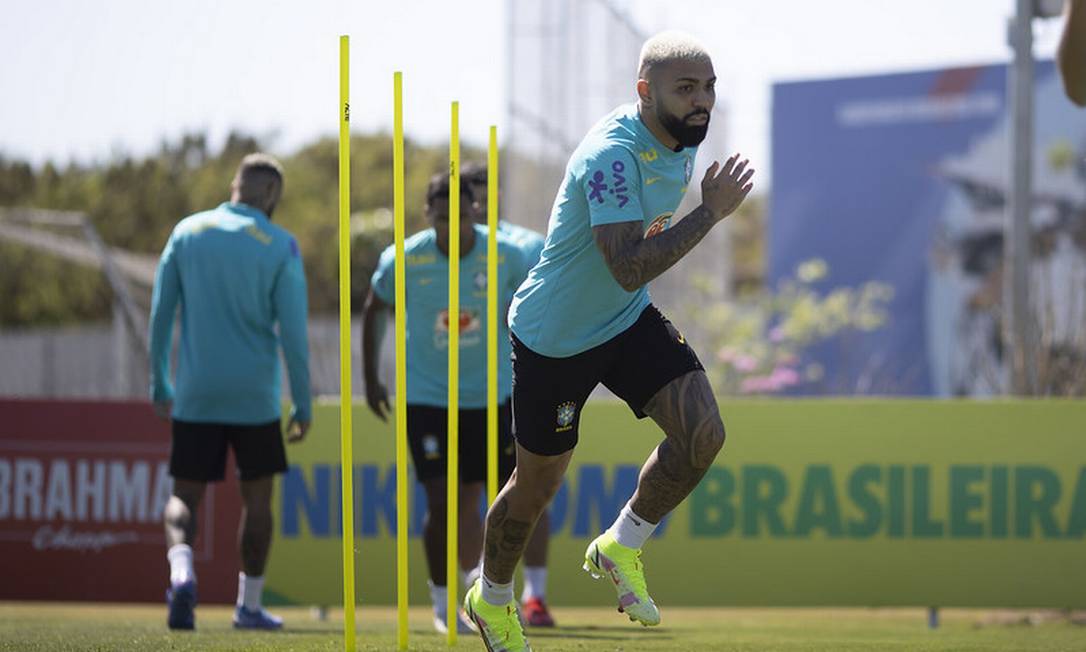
619	173
427	292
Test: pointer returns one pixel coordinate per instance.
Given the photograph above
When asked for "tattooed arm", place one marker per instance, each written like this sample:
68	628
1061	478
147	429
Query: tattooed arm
634	260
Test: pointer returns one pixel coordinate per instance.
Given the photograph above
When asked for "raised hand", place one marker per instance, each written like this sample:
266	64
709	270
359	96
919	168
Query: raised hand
723	189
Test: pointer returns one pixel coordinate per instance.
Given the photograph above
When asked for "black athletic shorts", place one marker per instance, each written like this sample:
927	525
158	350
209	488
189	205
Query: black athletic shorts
548	393
198	450
427	435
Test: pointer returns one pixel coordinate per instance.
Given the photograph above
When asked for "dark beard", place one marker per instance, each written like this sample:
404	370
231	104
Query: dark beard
687	135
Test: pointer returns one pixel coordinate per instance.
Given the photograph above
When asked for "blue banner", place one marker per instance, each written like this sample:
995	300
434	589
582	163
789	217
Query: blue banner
903	179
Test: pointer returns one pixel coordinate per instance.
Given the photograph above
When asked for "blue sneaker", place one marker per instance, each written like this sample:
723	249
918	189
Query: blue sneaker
181	601
256	619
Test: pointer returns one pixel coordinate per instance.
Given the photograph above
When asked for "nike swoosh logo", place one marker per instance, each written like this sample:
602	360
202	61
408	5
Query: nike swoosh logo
636	522
651	180
597	558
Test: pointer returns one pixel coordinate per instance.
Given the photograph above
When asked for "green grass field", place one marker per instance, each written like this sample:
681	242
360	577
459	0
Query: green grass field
42	626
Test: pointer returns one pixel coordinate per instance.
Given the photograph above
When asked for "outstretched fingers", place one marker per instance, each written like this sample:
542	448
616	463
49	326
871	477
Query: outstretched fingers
738	170
729	165
744	181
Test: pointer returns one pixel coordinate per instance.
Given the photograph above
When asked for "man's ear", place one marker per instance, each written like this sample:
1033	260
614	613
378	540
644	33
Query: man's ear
644	92
275	193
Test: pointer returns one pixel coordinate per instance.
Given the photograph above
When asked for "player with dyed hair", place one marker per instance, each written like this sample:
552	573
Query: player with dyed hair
236	277
584	316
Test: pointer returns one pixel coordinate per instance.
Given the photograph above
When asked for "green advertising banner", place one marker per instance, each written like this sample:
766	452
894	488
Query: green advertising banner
834	502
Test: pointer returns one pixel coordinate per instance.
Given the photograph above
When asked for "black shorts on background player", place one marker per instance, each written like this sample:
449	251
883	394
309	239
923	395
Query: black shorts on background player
549	393
427	435
198	450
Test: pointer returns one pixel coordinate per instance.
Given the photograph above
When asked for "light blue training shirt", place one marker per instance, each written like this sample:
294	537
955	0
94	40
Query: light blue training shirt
427	292
619	173
235	275
529	241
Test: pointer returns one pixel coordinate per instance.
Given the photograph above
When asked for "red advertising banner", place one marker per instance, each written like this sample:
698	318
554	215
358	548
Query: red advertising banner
82	489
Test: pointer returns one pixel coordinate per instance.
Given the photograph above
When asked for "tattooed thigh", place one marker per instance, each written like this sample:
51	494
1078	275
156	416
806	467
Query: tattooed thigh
687	411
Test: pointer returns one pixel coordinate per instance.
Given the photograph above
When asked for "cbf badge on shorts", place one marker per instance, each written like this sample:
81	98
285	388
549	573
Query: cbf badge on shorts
566	412
430	447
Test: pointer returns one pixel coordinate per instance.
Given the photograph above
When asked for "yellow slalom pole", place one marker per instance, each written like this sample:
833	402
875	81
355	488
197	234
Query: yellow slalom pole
453	469
346	455
403	508
492	318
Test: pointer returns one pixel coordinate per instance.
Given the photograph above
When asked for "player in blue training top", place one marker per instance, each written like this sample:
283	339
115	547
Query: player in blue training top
236	276
584	317
530	241
427	293
533	600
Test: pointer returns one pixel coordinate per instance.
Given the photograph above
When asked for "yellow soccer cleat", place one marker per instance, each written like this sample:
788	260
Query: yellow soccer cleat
606	557
499	626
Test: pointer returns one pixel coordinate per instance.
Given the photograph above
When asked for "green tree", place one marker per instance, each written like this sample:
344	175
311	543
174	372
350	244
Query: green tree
134	203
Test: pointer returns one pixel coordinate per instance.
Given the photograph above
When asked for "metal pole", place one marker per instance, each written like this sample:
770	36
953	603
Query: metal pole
509	133
1016	235
133	319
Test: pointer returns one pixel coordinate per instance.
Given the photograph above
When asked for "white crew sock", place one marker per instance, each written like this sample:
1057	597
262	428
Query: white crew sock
535	583
468	577
631	530
250	591
439	597
496	594
180	558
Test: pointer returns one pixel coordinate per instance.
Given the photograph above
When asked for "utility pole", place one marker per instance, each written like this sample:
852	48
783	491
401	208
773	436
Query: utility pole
1017	324
1020	336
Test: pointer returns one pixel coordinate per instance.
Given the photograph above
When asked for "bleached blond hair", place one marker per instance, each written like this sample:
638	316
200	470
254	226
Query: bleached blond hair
668	46
259	179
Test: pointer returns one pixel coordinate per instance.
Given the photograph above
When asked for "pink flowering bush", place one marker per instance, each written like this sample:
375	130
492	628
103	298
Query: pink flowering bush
757	344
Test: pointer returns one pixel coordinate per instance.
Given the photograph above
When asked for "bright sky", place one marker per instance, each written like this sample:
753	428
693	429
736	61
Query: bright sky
85	80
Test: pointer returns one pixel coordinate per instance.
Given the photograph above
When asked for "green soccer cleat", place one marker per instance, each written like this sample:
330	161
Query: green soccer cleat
606	557
499	626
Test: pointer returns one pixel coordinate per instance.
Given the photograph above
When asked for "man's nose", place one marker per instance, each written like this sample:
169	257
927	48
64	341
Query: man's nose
703	99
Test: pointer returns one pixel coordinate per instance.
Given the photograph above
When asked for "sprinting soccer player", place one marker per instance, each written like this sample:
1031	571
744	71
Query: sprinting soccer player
533	600
235	276
427	292
584	317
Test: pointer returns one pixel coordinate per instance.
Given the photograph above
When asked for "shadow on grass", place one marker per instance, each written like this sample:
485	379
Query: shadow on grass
597	632
302	630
